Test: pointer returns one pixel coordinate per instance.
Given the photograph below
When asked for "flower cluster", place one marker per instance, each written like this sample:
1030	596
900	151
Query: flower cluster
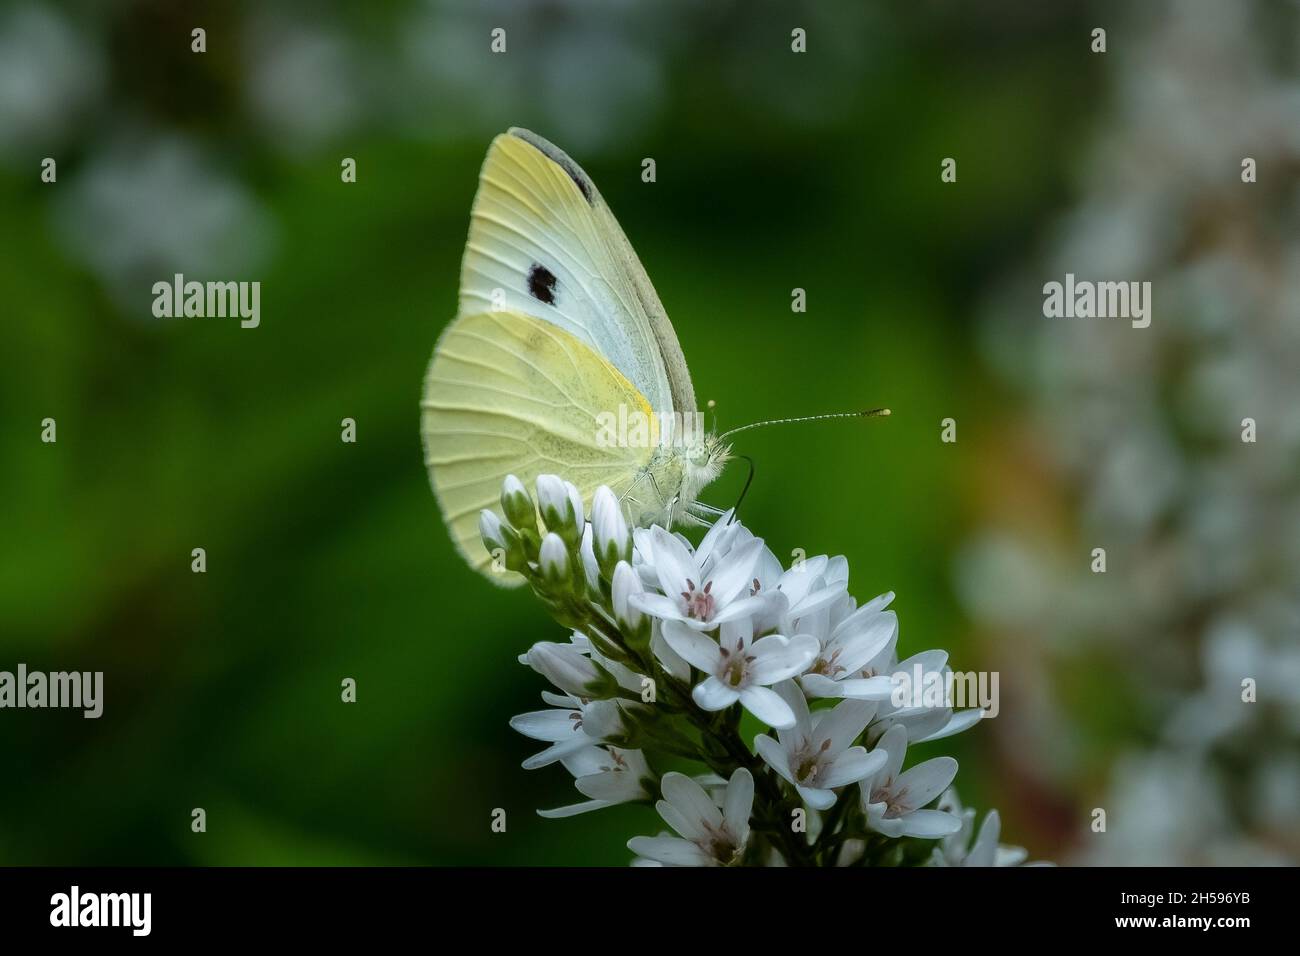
673	648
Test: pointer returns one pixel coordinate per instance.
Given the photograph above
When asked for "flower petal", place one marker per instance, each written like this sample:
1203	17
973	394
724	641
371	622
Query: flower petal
894	744
926	780
767	706
851	766
792	695
984	851
656	605
713	695
867	688
739	803
961	720
573	809
693	646
736	572
558	751
842	725
669	850
690	798
685	826
929	824
778	658
548	725
819	685
817	799
741	607
673	563
774	755
858	646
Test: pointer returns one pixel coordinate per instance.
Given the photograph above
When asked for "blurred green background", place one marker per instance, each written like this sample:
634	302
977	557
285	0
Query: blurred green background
328	560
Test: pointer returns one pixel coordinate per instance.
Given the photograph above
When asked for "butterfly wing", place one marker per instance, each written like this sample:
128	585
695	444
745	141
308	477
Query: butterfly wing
543	242
509	393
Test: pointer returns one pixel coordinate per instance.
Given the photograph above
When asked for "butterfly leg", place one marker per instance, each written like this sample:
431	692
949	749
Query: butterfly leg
685	517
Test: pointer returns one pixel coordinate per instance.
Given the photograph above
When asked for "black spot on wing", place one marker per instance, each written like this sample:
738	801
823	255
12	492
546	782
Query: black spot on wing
541	283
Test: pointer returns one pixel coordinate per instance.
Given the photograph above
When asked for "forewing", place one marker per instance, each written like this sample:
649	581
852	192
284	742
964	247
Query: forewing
543	242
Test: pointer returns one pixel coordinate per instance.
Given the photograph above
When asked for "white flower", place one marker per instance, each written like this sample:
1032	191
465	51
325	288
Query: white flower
739	670
700	597
851	645
957	848
608	776
815	755
708	837
565	666
569	726
811	587
577	641
894	802
924	676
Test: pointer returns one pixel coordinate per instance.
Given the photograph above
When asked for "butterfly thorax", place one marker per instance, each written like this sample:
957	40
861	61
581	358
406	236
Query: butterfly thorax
667	488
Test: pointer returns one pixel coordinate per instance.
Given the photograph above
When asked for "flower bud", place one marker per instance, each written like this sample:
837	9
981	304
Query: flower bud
560	506
570	671
489	529
502	542
603	720
517	506
591	570
625	585
612	542
554	559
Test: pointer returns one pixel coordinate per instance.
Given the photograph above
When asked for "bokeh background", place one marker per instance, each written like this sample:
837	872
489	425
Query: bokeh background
775	171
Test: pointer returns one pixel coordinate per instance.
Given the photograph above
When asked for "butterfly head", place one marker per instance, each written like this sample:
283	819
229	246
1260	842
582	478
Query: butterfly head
702	462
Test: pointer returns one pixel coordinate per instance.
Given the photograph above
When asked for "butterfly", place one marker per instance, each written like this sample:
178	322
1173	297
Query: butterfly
561	360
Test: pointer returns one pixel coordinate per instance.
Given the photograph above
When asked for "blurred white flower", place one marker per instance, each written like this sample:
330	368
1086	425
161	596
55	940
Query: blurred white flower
149	206
895	800
48	75
957	849
707	836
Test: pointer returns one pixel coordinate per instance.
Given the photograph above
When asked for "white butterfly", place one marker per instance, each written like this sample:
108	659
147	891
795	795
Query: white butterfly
560	342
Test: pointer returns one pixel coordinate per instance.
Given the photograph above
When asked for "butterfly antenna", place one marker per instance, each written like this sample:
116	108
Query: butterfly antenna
868	413
713	407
